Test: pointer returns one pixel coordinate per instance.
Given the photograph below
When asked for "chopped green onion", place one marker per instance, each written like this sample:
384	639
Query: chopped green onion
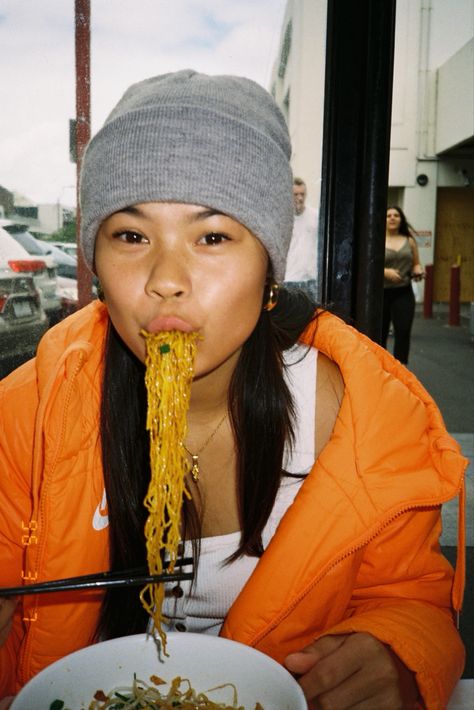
122	697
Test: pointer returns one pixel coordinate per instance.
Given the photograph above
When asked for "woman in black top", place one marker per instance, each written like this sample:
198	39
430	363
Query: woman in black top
402	263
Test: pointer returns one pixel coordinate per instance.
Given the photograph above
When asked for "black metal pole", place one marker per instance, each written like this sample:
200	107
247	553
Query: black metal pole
356	149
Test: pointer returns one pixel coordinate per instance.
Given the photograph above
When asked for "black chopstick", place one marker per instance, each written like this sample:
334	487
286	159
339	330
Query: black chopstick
132	572
124	578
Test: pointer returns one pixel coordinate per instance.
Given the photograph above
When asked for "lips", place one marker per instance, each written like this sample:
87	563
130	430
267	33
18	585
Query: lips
169	323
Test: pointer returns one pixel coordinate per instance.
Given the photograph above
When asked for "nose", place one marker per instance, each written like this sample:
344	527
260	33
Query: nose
169	275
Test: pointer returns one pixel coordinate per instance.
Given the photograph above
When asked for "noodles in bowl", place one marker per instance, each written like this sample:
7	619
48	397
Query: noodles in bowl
179	694
207	661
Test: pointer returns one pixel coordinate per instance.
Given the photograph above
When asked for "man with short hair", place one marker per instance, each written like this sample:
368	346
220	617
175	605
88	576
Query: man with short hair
302	256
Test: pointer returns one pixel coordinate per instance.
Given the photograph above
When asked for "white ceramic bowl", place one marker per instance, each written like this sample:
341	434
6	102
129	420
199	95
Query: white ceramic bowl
206	660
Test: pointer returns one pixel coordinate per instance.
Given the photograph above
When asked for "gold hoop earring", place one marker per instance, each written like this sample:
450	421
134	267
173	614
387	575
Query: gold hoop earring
271	296
100	293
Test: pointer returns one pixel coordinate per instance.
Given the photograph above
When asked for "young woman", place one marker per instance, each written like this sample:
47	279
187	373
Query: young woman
314	522
402	264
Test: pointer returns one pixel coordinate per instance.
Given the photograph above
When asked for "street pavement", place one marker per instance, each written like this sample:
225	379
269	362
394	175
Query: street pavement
442	357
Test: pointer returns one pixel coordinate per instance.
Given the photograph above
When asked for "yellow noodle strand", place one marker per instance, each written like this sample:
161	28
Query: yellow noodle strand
169	374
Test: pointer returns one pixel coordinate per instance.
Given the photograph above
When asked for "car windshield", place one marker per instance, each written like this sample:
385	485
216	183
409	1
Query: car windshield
28	241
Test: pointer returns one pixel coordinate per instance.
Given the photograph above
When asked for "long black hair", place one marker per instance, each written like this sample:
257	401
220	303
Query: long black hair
405	227
261	412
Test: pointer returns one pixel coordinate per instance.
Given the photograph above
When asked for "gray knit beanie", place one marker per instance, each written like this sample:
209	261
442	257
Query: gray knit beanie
216	141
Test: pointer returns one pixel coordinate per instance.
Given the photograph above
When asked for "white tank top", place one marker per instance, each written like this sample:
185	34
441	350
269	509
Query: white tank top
203	607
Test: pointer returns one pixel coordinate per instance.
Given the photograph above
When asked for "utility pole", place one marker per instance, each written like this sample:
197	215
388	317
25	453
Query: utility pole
83	129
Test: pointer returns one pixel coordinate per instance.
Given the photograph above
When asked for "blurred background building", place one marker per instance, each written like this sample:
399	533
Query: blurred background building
431	173
42	220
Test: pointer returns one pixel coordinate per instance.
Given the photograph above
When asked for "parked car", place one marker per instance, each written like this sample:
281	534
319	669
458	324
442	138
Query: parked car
46	279
66	264
22	317
67	277
69	248
68	295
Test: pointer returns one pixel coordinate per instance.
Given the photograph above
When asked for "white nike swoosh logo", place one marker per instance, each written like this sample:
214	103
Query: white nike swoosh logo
101	518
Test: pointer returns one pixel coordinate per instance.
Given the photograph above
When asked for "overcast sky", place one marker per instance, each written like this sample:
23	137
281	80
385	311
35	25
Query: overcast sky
130	40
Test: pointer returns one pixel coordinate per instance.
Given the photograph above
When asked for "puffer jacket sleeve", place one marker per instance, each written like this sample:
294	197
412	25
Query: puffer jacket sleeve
402	596
18	401
358	550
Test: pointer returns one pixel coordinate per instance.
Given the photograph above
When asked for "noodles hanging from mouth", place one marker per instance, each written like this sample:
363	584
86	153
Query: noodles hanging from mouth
169	373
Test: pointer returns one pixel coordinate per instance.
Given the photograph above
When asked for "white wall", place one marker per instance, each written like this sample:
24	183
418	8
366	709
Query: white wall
304	84
419	205
307	102
456	172
455	105
405	94
50	218
451	27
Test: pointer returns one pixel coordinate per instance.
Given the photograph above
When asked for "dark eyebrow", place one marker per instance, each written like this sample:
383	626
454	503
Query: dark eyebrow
206	212
203	213
129	210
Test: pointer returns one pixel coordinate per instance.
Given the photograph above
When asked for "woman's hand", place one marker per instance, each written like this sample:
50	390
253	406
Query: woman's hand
392	275
417	274
353	670
7	609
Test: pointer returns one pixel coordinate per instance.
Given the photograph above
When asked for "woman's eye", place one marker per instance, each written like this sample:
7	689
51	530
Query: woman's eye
214	238
129	237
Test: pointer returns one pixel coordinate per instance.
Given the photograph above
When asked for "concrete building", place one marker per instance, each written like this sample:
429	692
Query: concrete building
41	220
431	172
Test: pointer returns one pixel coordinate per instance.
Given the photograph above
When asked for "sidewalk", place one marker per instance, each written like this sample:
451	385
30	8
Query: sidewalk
442	357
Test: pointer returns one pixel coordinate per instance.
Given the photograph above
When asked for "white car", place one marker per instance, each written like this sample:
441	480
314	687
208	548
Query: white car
18	243
69	248
66	264
67	289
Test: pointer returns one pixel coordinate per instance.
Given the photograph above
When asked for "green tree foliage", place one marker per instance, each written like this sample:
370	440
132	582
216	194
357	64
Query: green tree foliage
66	234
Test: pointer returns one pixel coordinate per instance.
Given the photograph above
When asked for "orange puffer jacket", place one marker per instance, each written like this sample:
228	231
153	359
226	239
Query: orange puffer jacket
357	551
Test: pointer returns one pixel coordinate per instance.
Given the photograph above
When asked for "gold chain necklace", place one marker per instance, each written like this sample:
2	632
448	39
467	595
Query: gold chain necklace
195	457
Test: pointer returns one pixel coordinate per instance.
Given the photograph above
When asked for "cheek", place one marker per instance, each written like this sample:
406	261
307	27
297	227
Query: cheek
120	280
120	297
243	303
233	307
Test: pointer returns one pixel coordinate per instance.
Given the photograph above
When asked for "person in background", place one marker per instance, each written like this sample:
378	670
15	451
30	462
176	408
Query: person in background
402	264
315	515
301	263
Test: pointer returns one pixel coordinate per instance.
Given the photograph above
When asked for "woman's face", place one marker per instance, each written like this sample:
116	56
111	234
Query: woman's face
393	219
167	266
